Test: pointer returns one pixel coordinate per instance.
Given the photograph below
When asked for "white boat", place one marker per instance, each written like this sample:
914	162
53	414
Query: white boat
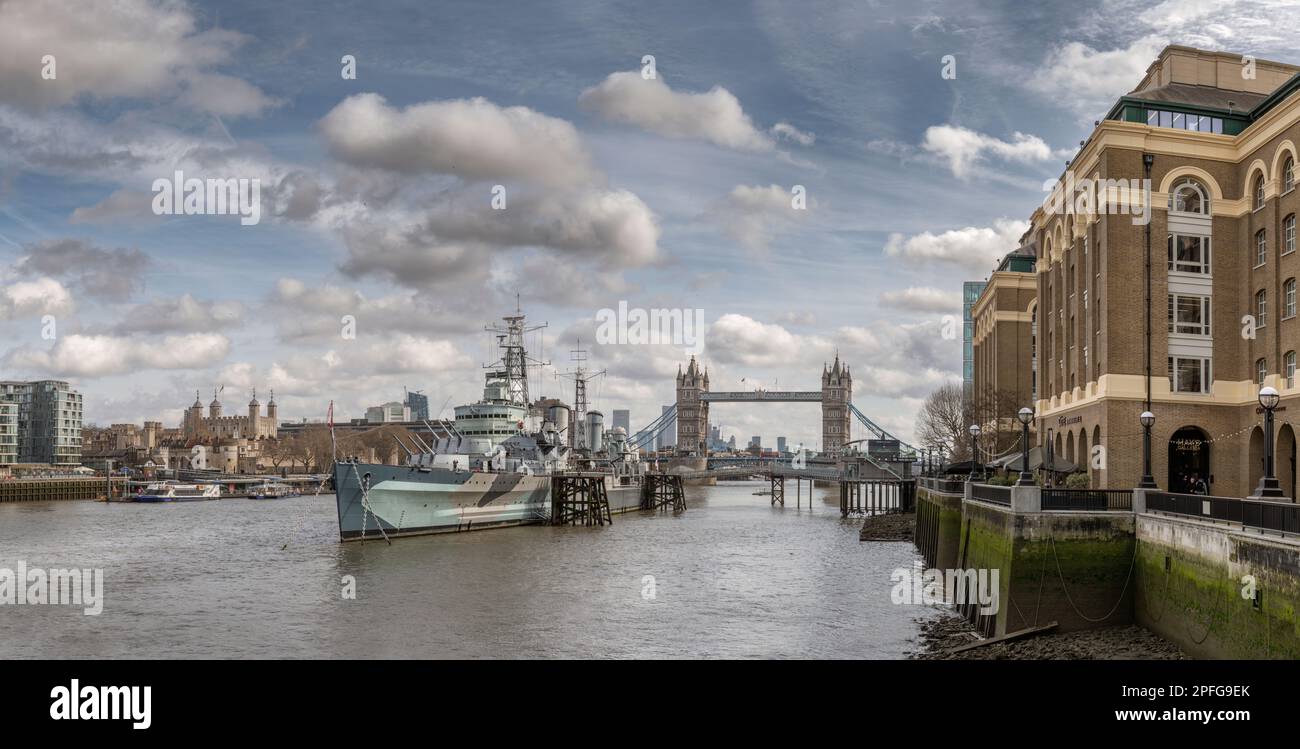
271	491
172	492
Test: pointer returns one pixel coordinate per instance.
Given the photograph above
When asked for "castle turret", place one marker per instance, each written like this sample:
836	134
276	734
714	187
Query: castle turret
214	408
254	414
272	410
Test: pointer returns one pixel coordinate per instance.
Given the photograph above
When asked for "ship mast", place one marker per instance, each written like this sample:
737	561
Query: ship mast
512	367
577	417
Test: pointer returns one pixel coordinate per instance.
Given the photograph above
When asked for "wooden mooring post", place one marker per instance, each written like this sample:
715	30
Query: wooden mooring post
579	499
662	491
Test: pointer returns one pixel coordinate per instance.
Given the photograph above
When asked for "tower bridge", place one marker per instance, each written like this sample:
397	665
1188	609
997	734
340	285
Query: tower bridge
691	412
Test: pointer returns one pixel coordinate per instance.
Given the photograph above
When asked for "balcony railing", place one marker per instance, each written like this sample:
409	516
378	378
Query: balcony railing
1000	495
1250	513
1088	500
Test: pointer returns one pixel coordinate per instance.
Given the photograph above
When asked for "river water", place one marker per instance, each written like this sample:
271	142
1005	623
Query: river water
731	577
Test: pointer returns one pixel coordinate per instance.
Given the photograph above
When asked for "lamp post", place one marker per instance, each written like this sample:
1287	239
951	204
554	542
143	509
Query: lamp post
1026	415
1148	481
1269	487
974	451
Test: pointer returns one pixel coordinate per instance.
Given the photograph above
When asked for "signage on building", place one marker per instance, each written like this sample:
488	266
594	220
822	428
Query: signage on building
1066	420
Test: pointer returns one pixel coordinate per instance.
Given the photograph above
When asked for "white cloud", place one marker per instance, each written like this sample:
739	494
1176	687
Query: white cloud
101	355
121	206
973	248
922	299
41	296
182	314
739	339
130	48
471	138
715	116
1091	80
753	214
963	147
790	132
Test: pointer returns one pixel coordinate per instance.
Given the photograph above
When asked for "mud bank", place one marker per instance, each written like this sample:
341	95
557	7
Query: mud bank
1124	642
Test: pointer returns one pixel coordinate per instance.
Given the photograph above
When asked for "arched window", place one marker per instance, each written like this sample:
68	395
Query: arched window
1261	248
1259	192
1189	197
1288	174
1288	234
1290	369
1261	371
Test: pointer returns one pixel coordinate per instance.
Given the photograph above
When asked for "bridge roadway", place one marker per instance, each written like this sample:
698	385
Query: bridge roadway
821	474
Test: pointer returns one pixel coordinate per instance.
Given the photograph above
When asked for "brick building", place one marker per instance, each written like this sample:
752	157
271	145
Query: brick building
1221	137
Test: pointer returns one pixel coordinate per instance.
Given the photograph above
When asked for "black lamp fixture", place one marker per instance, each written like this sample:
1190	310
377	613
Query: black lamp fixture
1148	481
1026	415
1269	487
974	451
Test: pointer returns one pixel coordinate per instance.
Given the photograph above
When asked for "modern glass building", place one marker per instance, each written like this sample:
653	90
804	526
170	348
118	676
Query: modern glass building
48	421
970	293
419	405
8	433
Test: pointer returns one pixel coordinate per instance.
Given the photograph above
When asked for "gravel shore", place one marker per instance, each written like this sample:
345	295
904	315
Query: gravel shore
897	526
1125	642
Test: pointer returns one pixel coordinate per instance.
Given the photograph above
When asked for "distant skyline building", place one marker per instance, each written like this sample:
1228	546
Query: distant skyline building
419	405
668	437
780	444
756	441
387	413
622	418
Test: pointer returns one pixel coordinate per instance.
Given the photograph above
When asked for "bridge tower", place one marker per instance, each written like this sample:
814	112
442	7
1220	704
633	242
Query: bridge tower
837	394
692	413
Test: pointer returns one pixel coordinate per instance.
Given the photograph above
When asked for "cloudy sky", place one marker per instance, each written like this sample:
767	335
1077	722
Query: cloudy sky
671	192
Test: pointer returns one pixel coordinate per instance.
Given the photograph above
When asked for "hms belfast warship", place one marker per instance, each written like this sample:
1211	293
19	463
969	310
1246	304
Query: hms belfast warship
491	467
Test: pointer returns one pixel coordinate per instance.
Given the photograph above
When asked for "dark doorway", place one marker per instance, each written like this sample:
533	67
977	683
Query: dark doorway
1189	456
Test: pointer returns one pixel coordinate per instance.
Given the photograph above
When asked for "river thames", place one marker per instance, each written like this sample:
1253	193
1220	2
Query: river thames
732	577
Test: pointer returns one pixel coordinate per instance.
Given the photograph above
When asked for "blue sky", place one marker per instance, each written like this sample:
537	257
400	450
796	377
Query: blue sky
667	193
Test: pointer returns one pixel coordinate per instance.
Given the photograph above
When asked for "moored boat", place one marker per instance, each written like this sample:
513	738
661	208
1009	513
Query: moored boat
167	491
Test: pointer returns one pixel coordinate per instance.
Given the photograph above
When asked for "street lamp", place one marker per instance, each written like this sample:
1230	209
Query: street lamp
1268	488
1026	415
974	450
1148	481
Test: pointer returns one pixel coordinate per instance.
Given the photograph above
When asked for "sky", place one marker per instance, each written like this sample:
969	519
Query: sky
816	178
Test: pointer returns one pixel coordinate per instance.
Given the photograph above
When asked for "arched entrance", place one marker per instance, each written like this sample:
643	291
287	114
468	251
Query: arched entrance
1256	466
1189	456
1286	459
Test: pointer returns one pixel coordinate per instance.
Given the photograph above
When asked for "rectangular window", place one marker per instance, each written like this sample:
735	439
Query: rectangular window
1189	374
1189	315
1261	248
1288	234
1261	371
1289	300
1261	308
1189	254
1290	369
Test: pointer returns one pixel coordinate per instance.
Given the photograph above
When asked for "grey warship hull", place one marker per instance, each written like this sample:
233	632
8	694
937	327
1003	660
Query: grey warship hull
410	501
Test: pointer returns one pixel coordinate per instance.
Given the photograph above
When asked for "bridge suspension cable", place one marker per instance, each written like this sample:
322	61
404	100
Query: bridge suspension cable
645	437
881	434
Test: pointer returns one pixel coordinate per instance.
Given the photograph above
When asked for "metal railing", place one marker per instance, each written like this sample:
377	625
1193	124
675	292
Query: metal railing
944	485
1000	495
1250	513
1088	500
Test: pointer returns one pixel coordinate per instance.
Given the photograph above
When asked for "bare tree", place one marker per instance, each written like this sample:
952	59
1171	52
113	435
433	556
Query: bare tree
314	448
942	423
